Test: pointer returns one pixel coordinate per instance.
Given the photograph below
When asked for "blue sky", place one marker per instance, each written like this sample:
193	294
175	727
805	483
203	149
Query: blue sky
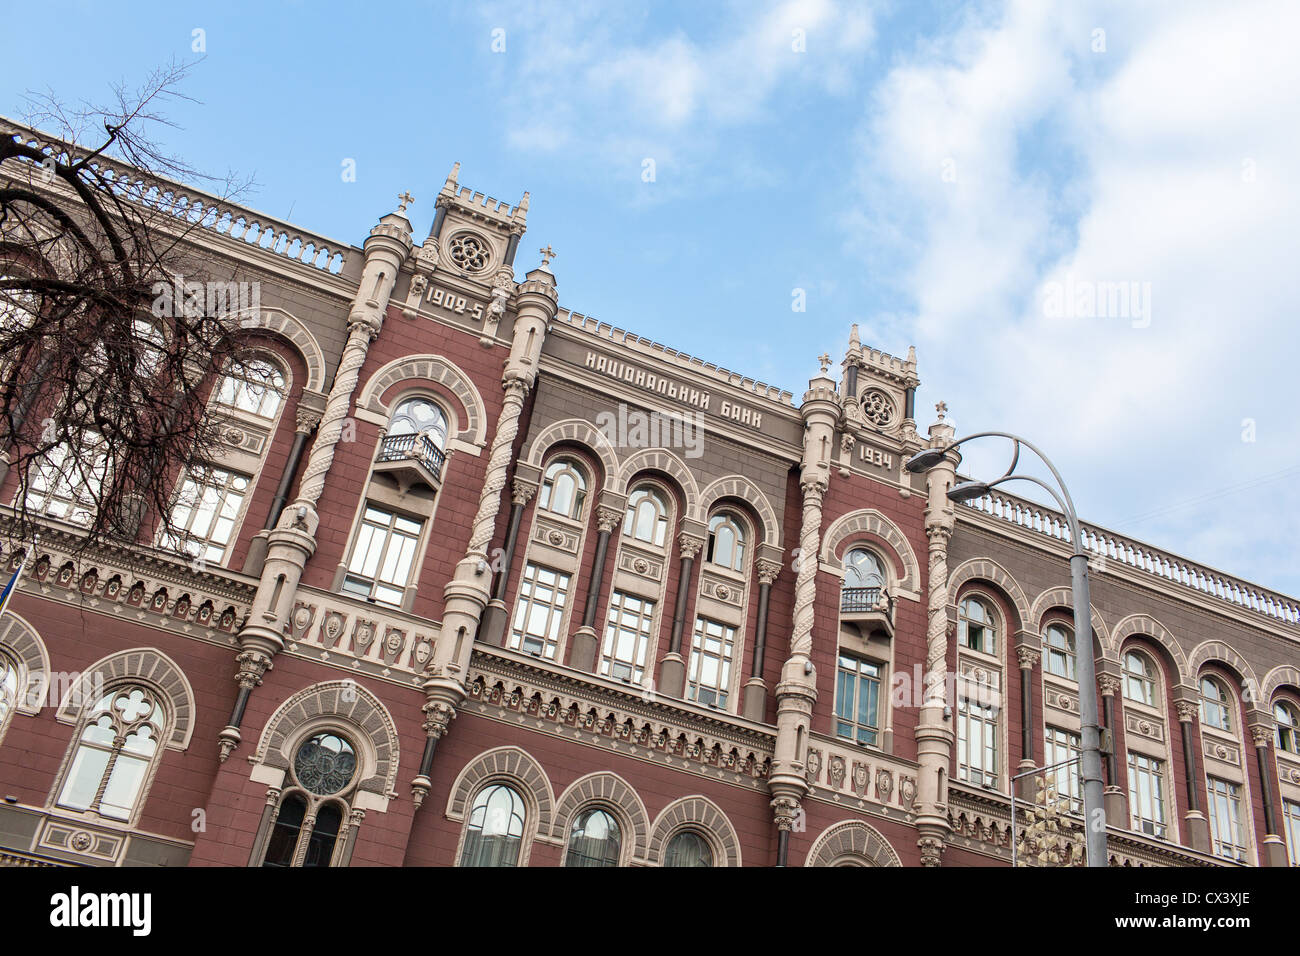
929	171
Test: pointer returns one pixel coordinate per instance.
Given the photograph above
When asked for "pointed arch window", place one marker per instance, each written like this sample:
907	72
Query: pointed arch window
594	839
1139	678
1060	651
564	489
726	546
1288	726
495	831
647	516
688	848
1216	704
115	753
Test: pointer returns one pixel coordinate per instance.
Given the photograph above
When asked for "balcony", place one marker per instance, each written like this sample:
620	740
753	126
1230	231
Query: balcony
410	459
871	608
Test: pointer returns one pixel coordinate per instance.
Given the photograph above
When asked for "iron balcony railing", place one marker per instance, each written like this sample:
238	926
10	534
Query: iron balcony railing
859	599
413	447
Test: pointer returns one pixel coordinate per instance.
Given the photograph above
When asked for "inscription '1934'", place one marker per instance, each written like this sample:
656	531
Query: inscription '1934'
874	456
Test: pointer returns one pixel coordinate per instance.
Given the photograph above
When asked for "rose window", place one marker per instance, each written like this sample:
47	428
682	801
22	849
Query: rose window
325	764
468	252
878	407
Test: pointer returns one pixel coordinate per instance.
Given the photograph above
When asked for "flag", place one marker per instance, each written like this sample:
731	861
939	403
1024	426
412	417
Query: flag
12	585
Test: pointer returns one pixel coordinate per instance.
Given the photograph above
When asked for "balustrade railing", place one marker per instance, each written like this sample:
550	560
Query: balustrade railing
413	447
1109	546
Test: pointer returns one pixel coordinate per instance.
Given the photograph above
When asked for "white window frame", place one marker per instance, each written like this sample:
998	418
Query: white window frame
727	639
1154	797
642	636
390	531
528	603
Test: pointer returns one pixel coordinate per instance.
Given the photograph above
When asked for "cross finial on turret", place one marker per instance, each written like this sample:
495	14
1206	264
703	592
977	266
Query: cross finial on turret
403	200
941	407
826	361
547	254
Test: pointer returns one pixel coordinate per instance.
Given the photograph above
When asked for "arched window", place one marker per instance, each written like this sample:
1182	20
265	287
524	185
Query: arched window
726	542
253	386
688	848
1216	705
8	691
1060	651
117	743
564	489
647	516
594	839
1140	678
420	416
495	831
1288	726
863	569
307	826
977	626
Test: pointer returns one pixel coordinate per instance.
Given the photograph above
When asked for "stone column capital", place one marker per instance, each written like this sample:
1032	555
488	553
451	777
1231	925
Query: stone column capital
1186	711
523	491
607	519
689	545
1027	658
1109	685
767	571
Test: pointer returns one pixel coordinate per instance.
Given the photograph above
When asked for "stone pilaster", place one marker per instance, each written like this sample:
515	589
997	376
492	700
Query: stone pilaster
934	731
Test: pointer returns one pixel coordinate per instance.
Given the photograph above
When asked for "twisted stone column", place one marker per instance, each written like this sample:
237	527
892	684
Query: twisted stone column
934	733
362	330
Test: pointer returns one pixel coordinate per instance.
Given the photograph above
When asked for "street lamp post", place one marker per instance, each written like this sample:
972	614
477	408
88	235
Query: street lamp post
1090	752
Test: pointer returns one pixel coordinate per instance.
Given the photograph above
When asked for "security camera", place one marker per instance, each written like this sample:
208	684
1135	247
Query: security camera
947	712
807	667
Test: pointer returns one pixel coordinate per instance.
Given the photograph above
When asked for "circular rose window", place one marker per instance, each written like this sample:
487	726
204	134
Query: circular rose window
468	251
878	407
325	764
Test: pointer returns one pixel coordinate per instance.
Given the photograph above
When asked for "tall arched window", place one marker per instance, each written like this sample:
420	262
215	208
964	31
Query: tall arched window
977	625
420	416
1216	705
688	848
1060	651
594	839
564	489
1140	678
310	816
1288	726
253	386
726	546
495	830
647	516
117	743
8	691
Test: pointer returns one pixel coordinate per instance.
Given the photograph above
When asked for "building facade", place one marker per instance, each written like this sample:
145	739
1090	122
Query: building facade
485	581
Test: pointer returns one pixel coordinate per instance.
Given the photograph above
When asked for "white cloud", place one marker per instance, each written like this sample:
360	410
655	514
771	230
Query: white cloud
1126	165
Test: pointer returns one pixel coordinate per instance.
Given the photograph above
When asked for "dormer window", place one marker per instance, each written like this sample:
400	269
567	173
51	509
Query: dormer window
647	516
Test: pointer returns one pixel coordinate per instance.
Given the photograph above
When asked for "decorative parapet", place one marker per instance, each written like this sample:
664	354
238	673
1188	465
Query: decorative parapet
364	637
503	684
197	208
1128	553
149	584
862	779
637	343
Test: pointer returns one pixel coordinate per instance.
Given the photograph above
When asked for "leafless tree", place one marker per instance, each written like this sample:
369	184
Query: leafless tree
111	336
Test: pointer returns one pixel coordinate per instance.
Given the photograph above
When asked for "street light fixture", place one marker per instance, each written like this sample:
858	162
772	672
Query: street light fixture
1090	750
